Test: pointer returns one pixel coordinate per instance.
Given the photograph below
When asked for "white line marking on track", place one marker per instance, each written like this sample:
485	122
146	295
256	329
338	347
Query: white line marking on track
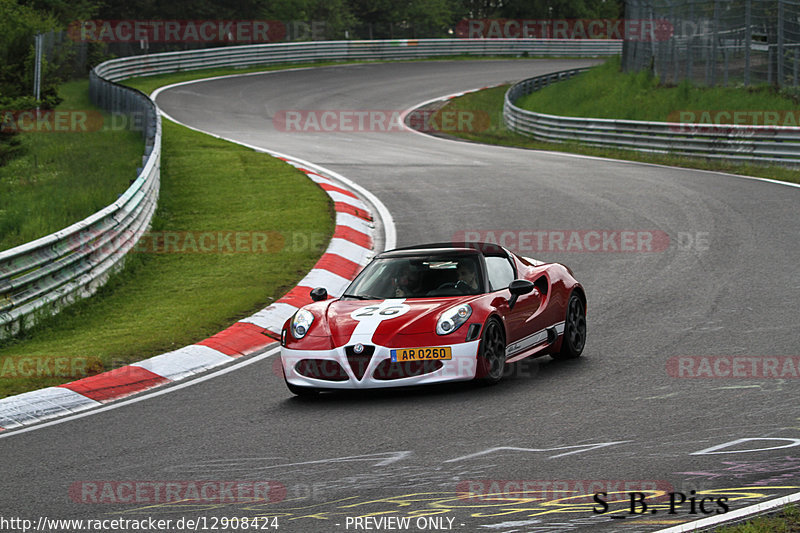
146	396
580	449
732	515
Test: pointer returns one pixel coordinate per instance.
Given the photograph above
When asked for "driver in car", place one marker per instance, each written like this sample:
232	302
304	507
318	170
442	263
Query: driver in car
406	283
466	274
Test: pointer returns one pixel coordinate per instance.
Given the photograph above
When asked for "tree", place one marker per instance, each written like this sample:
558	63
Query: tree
561	9
64	11
332	17
18	25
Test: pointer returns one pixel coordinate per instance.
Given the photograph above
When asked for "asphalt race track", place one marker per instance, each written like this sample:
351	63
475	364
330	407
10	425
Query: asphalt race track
720	279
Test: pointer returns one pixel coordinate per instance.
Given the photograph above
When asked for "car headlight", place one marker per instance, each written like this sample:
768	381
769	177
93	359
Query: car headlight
452	319
301	321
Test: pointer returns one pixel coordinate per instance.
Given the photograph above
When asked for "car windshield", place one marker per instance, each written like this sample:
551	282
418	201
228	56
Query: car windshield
418	277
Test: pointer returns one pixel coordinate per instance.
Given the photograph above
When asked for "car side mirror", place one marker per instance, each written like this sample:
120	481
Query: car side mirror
319	294
520	287
517	288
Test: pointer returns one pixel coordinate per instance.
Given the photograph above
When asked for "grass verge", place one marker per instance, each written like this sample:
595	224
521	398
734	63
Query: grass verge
490	103
162	301
605	92
63	177
787	521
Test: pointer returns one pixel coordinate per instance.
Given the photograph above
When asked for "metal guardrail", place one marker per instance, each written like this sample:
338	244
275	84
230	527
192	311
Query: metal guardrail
41	276
765	144
268	54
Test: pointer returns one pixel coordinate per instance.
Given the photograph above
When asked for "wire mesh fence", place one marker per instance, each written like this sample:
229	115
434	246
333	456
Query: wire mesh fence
717	42
67	56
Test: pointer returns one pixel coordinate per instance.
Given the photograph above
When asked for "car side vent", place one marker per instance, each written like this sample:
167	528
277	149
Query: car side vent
473	332
541	285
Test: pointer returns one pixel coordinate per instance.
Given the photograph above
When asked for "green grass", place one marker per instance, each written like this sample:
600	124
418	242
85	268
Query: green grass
605	92
788	521
163	301
63	177
490	101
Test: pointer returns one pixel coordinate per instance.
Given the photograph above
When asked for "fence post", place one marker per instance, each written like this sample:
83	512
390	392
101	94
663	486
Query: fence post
690	44
714	37
780	43
725	67
770	53
748	39
673	51
37	69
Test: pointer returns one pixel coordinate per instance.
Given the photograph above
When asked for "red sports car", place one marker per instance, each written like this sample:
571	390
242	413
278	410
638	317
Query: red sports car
434	313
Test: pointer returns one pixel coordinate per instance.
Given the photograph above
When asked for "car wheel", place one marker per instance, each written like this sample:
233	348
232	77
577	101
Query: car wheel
492	353
574	329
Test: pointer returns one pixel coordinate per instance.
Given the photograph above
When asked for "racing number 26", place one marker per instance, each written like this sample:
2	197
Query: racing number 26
371	309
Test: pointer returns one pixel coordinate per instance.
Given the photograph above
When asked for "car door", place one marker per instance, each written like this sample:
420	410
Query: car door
521	325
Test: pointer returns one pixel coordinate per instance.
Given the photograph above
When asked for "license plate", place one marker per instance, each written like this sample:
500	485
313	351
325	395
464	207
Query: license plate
421	354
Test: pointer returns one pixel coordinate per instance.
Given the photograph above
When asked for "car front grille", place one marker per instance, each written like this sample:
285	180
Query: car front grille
359	361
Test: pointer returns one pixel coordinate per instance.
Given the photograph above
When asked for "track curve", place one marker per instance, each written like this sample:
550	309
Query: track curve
614	416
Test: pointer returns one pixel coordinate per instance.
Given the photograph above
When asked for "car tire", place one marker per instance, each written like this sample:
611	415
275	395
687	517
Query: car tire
491	359
574	338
